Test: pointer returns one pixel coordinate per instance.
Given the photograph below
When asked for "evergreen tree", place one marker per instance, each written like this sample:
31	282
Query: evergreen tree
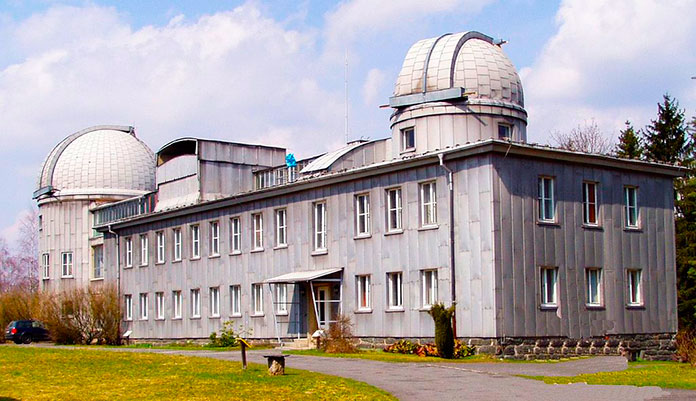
686	254
666	138
629	145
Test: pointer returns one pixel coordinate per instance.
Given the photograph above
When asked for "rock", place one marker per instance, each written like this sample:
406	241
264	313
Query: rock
276	369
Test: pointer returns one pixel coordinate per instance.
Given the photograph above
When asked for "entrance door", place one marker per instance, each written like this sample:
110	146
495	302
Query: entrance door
323	298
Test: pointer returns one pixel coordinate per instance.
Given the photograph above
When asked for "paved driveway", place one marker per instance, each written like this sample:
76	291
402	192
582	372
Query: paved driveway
474	381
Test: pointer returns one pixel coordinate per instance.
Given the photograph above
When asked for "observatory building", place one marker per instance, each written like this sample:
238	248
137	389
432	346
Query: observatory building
541	249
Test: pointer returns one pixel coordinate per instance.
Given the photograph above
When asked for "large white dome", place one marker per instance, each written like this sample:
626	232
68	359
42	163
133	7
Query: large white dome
104	160
469	60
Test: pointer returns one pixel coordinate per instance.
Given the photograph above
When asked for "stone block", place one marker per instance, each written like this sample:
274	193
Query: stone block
556	343
599	343
570	343
542	343
613	342
509	350
486	349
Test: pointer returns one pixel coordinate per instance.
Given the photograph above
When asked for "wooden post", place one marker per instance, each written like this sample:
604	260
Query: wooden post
244	347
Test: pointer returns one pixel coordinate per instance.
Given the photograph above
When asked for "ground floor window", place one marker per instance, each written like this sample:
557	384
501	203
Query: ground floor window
549	284
128	306
98	261
143	306
196	303
236	300
176	300
66	264
214	301
363	284
593	278
635	290
281	295
395	290
159	305
429	288
46	265
257	294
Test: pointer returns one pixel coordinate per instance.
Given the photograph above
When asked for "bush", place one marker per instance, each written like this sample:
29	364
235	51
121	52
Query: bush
686	346
227	337
18	303
444	337
461	350
339	339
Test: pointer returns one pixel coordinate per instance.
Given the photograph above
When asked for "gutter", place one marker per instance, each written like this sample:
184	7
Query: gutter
118	264
453	281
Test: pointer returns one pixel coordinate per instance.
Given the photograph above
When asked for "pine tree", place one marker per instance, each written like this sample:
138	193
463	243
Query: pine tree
629	145
686	254
666	138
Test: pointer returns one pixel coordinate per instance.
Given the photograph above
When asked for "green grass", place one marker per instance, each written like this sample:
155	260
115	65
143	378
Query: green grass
390	357
78	374
175	346
641	373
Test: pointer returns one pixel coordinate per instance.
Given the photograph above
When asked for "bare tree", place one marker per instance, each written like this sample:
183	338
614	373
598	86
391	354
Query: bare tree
585	138
19	266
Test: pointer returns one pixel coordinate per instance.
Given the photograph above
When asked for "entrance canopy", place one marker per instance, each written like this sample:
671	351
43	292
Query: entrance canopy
301	276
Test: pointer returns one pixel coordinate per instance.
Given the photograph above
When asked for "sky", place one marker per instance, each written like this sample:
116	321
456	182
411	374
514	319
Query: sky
273	72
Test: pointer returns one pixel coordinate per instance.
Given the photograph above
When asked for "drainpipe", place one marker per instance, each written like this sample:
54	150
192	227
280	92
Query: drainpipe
453	282
118	264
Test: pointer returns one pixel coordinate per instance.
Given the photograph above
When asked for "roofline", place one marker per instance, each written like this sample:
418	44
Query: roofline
468	150
191	138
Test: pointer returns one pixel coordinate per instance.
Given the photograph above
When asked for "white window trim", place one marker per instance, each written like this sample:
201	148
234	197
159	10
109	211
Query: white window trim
257	307
177	302
159	306
627	207
404	144
360	199
257	225
128	306
195	241
160	246
397	208
178	244
319	208
543	197
100	276
399	277
589	204
429	293
281	298
214	239
236	235
236	300
364	283
144	250
432	205
46	265
214	295
545	302
639	288
600	294
144	306
66	267
129	251
195	303
509	131
281	228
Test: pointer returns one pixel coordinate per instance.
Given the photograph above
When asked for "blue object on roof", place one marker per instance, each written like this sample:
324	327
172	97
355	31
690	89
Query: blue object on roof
290	160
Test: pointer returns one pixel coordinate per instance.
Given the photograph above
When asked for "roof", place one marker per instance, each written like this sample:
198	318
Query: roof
300	276
105	159
325	161
468	60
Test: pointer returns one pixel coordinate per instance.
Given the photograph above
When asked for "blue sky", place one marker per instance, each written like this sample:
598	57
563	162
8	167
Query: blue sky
272	71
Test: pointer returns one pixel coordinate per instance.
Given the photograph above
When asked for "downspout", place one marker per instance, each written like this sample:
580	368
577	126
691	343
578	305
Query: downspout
118	264
453	282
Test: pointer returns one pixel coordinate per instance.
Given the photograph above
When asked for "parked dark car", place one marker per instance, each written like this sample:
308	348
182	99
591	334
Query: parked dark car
26	331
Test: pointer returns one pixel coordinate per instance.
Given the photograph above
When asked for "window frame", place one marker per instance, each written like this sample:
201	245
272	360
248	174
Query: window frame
46	265
319	227
397	209
235	300
257	233
195	311
214	242
599	290
235	235
408	139
281	230
177	250
161	247
97	263
543	197
627	207
214	301
281	298
639	300
144	307
430	206
159	305
128	306
509	128
395	299
544	300
362	215
66	266
129	251
177	304
589	205
363	292
429	288
195	231
144	250
257	299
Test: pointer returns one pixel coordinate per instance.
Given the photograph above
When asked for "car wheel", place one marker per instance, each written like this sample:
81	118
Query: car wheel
26	338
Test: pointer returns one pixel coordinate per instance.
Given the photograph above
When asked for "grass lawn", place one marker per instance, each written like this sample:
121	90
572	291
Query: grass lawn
76	374
176	347
641	373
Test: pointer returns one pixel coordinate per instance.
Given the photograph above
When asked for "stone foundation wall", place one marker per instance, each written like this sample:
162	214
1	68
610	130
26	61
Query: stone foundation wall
651	347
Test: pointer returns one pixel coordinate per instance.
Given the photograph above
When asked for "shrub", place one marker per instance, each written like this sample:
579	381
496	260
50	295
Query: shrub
18	303
339	337
686	346
461	350
444	337
227	338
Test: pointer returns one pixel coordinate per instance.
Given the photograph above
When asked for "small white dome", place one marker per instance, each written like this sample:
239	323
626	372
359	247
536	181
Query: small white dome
469	60
107	160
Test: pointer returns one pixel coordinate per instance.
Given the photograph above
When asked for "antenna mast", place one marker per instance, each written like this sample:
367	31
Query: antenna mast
345	91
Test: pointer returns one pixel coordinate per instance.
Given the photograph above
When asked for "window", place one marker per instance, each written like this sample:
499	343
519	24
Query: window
362	214
631	195
257	219
177	244
159	305
363	284
504	131
281	227
236	237
429	287
394	209
428	198
635	293
214	238
144	250
236	300
143	306
128	301
66	259
281	298
195	242
46	265
593	279
549	278
98	261
395	294
320	226
257	294
176	300
408	139
546	202
160	247
196	303
589	203
129	251
214	301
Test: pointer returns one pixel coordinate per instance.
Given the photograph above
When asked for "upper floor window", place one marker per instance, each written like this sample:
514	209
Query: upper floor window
281	220
320	226
549	286
395	294
408	139
236	236
46	265
195	303
593	279
394	209
195	241
429	288
362	214
504	131
589	203
631	206
177	244
66	264
98	261
144	250
546	199
129	251
364	300
635	287
128	306
257	221
214	238
160	247
428	201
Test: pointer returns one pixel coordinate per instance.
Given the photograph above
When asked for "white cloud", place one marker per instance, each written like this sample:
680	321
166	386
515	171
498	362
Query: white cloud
372	88
610	60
